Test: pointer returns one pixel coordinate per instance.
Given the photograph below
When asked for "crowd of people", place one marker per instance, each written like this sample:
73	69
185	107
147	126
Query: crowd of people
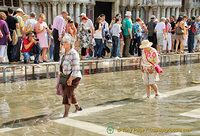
23	34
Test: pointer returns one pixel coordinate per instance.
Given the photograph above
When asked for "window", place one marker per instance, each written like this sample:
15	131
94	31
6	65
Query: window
16	3
8	2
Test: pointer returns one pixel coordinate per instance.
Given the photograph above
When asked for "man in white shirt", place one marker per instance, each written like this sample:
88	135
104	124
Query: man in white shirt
161	34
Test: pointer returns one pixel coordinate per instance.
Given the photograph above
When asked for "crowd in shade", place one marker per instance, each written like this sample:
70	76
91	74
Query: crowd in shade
25	38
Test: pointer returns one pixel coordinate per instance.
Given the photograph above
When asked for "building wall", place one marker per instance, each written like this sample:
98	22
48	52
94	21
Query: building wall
139	8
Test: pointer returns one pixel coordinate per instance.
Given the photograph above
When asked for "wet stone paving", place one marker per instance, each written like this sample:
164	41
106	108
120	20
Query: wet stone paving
114	104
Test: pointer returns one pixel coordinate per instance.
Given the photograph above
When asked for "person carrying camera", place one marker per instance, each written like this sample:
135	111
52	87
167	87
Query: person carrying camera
27	49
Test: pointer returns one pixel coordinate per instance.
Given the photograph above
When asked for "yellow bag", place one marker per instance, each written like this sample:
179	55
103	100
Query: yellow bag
14	38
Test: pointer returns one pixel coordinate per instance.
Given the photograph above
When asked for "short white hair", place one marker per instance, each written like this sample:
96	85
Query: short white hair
69	39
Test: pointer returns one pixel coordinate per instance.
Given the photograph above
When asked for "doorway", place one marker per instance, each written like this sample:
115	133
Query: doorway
103	8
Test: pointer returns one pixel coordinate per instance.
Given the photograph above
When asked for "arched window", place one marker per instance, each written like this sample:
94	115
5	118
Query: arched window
142	13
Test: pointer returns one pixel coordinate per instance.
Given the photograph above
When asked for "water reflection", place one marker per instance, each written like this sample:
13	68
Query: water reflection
34	102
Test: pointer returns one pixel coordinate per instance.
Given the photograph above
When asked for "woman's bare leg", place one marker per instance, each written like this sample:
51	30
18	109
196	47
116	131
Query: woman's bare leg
67	106
155	88
177	43
148	91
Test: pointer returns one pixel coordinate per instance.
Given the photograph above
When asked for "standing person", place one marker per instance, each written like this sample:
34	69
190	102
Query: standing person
98	37
91	31
58	25
5	35
12	25
70	65
151	33
192	30
137	37
127	33
168	40
41	30
30	23
50	42
179	34
197	36
185	37
115	31
161	34
105	33
20	33
150	60
144	31
173	24
84	37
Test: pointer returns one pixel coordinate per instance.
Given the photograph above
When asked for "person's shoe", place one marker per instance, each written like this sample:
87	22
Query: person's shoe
36	62
80	109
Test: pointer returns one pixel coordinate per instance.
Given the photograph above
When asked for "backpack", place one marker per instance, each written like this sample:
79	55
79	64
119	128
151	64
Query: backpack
179	31
14	38
193	29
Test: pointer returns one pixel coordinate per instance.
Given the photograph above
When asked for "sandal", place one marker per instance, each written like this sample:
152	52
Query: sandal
80	109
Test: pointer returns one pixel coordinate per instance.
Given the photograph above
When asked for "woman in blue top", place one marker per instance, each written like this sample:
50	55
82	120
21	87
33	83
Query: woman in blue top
51	43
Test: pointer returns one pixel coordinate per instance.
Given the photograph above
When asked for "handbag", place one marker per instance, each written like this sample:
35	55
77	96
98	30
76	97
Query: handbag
36	49
63	78
157	67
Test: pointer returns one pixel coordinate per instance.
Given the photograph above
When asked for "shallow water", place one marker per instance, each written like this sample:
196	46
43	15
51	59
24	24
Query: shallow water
31	103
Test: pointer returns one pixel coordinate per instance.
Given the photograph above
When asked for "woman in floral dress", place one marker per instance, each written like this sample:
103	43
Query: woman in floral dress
149	61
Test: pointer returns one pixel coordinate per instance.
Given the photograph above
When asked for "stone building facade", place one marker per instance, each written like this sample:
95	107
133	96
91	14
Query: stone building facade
140	8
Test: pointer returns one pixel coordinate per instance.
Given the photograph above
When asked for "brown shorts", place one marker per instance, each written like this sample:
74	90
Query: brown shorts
69	94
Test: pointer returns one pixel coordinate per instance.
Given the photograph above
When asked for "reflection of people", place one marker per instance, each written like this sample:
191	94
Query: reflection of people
28	43
70	64
149	61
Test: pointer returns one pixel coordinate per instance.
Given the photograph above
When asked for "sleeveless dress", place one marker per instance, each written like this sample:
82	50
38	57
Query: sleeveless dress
43	38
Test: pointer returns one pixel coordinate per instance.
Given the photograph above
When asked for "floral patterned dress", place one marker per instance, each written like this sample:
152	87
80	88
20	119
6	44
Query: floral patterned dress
150	60
84	37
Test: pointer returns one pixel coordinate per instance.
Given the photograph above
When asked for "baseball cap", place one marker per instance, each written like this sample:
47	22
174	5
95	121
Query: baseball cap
82	14
20	10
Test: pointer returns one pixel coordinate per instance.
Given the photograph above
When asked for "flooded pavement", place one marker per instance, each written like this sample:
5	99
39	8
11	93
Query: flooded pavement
114	100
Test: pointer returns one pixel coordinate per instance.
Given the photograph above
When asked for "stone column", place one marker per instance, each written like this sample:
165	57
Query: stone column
12	3
71	10
54	9
137	12
122	11
59	8
158	13
150	13
49	13
78	12
189	12
177	13
64	6
173	11
40	7
25	7
168	12
44	9
163	11
83	8
197	12
193	12
33	6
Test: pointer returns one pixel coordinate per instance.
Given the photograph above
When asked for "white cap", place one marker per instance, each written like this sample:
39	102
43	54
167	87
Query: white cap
20	10
153	16
83	14
128	13
163	18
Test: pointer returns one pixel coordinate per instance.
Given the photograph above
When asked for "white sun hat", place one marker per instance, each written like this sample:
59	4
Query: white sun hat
145	44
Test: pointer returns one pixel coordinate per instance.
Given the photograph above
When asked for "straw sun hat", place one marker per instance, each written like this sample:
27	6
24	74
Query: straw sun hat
145	44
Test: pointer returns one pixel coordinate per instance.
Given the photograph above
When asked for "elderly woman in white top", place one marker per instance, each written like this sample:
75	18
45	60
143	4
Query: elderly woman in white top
70	65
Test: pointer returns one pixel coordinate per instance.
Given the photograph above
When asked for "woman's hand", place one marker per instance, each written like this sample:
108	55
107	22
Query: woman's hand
69	82
150	71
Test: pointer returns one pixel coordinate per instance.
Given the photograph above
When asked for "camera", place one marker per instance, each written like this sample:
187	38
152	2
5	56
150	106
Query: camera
36	39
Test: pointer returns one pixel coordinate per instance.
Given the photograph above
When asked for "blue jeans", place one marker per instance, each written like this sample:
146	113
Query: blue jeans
51	51
98	48
27	56
190	42
115	41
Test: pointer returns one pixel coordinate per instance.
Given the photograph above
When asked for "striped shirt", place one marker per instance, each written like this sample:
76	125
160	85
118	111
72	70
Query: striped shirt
71	63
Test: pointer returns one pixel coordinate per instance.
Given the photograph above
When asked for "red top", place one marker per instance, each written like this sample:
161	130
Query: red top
26	41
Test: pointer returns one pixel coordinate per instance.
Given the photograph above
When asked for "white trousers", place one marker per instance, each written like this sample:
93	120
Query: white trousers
168	42
196	43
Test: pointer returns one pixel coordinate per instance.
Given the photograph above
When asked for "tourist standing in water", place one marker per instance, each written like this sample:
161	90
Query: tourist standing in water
149	61
70	65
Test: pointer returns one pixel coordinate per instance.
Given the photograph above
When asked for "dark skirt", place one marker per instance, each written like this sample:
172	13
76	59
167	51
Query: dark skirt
69	92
